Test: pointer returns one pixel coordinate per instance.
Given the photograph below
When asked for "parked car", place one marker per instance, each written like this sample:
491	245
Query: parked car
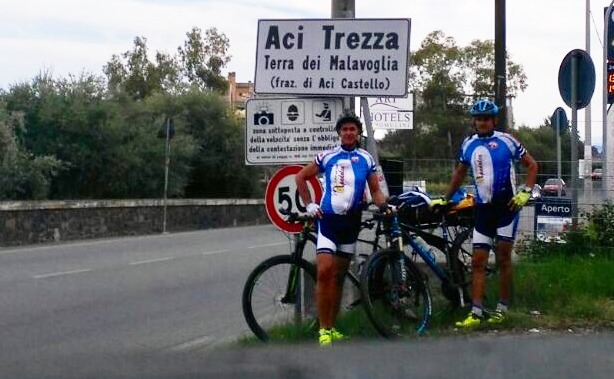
597	174
551	187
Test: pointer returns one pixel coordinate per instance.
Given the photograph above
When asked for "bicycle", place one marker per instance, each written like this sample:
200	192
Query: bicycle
456	224
280	291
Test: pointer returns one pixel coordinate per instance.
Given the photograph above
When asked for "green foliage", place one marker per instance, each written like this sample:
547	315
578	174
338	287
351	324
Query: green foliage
219	168
446	78
600	226
198	64
23	176
541	143
109	146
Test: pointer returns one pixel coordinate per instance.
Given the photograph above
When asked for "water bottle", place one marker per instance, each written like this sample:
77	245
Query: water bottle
428	249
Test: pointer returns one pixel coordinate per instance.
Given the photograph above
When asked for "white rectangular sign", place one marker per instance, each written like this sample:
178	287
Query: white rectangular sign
290	130
393	113
342	57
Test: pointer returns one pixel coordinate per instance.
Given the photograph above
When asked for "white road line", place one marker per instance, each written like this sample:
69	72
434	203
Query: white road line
193	343
150	261
267	245
60	273
215	252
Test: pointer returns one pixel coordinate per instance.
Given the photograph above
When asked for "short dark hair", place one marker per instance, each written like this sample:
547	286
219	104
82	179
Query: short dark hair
348	117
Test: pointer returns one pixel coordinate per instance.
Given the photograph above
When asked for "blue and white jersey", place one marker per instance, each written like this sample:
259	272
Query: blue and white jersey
345	178
492	165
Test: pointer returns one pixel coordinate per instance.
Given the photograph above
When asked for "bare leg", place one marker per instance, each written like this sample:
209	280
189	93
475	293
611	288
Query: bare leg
478	264
504	261
327	290
342	265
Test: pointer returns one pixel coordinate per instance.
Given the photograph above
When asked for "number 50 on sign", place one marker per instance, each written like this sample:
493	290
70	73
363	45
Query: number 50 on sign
281	193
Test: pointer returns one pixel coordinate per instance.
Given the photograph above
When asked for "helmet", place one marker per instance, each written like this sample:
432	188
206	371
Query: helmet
484	107
348	117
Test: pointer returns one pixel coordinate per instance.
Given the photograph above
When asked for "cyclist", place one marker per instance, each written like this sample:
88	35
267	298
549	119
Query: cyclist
490	155
347	170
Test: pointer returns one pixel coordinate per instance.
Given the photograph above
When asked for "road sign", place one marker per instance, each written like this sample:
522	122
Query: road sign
581	62
393	113
552	217
290	130
559	121
339	57
281	193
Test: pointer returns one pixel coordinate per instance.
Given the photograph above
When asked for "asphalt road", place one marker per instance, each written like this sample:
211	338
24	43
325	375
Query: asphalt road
126	297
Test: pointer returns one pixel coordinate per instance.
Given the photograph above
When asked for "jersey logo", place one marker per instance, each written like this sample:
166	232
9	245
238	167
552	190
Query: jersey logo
479	164
354	159
493	145
339	178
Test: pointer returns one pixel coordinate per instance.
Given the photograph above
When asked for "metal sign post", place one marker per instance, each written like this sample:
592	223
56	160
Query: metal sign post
559	123
608	133
576	86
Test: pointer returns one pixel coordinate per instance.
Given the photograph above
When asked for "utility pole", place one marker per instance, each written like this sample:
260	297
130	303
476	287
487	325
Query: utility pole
588	149
344	9
500	75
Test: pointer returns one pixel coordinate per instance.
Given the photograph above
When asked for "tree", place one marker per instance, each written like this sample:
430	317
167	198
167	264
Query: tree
219	168
134	75
446	79
23	176
203	58
198	63
109	146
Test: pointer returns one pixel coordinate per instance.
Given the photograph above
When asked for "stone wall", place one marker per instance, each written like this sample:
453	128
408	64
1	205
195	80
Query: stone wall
32	222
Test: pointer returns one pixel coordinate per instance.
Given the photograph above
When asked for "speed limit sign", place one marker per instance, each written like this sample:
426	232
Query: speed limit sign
281	193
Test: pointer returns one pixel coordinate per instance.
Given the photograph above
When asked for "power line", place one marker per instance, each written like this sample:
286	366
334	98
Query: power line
596	30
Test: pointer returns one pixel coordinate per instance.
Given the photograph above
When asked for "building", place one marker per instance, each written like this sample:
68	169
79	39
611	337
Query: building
238	93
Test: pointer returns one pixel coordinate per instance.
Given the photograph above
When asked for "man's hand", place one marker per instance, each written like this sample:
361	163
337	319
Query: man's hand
313	210
519	200
387	209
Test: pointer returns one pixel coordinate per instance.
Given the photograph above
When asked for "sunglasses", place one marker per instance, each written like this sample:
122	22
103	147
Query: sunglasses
483	118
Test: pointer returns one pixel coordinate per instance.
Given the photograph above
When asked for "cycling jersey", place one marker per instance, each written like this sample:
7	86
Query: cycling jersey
491	160
345	178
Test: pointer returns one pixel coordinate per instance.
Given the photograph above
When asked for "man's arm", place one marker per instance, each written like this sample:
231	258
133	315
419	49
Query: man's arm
457	179
376	193
301	181
532	167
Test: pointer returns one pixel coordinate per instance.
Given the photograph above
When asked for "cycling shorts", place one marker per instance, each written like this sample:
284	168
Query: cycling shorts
494	220
337	234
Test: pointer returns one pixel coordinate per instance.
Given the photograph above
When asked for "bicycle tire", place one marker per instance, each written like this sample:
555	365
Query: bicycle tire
269	308
395	313
459	259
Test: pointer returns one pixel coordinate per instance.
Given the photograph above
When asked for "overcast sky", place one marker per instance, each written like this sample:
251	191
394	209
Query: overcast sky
71	36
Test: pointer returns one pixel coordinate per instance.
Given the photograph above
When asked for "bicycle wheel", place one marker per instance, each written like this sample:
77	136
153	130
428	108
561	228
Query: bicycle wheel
459	263
396	307
279	298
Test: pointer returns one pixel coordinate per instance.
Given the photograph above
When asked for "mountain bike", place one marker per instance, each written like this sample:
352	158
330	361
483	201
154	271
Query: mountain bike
280	291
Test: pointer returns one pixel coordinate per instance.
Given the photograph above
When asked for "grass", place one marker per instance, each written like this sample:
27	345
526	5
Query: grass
556	292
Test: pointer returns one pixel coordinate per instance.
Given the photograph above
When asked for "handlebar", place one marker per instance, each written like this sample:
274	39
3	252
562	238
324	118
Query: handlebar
294	216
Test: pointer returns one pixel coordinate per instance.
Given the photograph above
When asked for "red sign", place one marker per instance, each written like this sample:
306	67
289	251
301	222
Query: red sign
281	193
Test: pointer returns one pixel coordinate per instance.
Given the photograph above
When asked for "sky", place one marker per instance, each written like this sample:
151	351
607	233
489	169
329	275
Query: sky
74	36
